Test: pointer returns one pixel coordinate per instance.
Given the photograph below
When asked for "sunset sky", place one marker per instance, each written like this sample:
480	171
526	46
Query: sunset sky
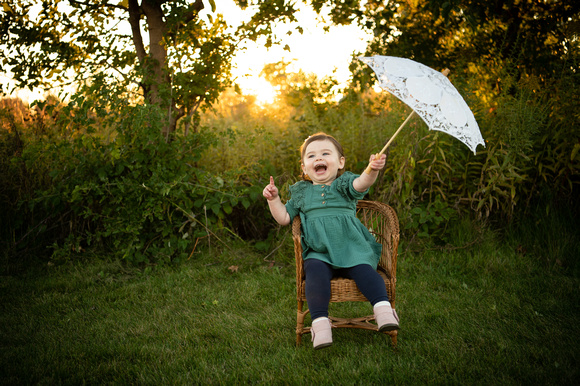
315	51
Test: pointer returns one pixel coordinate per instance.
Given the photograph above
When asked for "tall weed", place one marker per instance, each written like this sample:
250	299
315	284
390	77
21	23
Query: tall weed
430	177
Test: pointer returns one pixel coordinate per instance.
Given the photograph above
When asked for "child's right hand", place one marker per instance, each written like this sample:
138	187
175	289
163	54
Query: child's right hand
270	191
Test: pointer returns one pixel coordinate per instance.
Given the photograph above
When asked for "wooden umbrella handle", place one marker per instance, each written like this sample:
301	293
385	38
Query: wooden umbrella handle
369	169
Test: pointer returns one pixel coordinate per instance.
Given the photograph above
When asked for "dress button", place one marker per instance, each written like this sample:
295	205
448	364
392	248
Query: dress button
324	202
322	194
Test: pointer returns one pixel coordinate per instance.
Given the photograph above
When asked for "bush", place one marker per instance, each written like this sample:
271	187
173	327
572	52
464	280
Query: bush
98	172
114	182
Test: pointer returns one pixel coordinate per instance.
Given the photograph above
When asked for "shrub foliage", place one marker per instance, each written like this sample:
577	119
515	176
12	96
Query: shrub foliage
95	172
111	180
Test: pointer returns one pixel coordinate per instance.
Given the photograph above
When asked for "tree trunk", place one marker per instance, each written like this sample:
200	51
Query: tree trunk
156	83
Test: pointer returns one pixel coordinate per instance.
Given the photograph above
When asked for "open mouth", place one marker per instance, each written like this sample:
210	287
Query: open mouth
319	168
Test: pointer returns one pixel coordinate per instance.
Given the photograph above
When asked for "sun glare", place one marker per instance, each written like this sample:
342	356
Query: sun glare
259	87
317	51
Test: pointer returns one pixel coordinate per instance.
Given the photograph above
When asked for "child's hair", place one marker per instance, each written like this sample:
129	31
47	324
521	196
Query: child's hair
320	136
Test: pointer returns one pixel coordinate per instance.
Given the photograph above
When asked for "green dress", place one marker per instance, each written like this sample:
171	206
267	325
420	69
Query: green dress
331	232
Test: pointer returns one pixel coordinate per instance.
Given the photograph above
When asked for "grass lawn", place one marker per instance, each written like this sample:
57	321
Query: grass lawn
485	315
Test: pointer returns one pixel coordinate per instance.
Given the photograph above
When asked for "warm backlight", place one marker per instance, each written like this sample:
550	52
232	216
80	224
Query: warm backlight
259	87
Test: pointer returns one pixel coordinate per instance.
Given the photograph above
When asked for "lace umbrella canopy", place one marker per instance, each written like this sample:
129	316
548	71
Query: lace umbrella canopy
430	94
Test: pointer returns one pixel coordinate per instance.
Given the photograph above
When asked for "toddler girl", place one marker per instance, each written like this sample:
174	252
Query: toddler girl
334	241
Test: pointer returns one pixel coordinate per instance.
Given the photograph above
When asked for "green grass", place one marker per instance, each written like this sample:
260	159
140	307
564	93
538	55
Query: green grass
485	315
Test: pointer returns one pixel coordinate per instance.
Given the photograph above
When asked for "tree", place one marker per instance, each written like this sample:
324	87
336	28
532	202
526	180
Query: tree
183	63
539	37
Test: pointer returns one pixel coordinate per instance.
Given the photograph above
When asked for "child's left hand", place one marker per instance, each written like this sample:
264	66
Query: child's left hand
377	163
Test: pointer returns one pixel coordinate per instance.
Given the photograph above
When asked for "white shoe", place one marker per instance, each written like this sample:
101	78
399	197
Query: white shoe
321	333
386	318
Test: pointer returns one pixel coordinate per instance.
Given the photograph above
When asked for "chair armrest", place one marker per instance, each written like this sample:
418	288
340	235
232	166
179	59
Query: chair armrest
297	238
383	223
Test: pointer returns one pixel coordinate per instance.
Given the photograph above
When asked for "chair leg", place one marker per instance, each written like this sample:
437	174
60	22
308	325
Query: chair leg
300	315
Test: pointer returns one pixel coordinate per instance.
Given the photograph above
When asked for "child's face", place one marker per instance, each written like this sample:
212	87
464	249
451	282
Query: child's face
321	162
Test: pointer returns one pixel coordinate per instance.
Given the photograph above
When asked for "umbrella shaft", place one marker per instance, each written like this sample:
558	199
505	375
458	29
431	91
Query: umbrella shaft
397	132
368	169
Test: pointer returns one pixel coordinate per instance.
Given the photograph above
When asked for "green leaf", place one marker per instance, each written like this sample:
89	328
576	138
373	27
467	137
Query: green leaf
102	173
574	152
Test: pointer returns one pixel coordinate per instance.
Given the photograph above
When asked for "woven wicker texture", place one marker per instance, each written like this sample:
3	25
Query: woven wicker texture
382	222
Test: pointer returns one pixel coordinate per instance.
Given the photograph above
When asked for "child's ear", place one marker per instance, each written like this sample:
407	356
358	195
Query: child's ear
304	175
341	163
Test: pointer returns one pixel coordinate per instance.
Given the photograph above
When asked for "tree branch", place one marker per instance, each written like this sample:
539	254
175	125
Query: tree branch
197	7
134	19
95	5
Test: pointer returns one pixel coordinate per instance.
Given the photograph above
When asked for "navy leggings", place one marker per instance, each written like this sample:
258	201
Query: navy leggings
318	275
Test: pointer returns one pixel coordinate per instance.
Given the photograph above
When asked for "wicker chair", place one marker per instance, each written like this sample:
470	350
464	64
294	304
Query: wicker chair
382	222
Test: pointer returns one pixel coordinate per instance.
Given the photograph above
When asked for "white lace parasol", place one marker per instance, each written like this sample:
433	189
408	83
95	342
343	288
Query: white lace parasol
430	94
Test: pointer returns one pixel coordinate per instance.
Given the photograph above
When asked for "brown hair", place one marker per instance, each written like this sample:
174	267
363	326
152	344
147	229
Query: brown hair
320	136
